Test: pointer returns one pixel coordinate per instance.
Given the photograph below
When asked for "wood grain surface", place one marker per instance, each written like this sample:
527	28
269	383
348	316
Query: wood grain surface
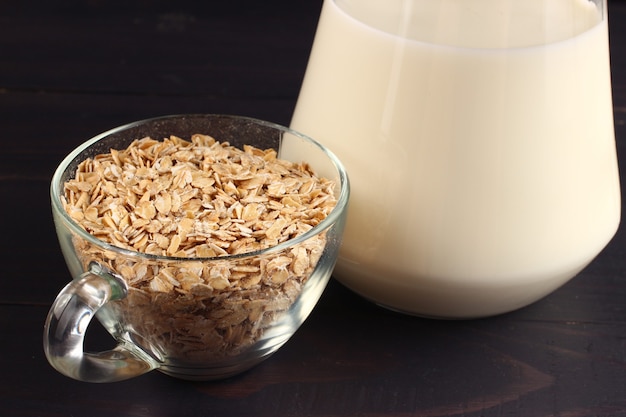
72	69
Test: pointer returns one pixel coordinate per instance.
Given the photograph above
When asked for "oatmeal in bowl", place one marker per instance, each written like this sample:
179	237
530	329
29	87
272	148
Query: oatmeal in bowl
221	232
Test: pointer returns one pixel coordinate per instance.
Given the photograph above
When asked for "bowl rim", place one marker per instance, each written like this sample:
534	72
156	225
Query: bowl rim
332	217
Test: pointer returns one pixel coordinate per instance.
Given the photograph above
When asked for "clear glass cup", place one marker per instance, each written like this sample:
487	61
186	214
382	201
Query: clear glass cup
200	333
479	139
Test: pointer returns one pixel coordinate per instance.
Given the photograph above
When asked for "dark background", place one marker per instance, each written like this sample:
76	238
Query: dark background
72	69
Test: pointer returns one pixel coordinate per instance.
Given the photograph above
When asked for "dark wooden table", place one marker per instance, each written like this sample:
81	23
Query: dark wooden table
71	69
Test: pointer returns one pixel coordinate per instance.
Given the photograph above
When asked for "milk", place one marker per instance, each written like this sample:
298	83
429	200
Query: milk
480	147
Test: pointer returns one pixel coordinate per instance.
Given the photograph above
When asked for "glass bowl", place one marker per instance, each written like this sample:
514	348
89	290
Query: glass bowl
200	317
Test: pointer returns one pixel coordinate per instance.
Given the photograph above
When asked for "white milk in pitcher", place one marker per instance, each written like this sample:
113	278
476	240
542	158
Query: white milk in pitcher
478	137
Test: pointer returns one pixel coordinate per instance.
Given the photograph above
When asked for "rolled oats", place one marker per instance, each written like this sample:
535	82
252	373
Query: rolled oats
200	199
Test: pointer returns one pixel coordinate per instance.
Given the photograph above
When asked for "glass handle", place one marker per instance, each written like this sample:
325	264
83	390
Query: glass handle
66	325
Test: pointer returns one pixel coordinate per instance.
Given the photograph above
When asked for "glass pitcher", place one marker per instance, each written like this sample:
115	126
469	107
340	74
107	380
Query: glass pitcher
478	135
